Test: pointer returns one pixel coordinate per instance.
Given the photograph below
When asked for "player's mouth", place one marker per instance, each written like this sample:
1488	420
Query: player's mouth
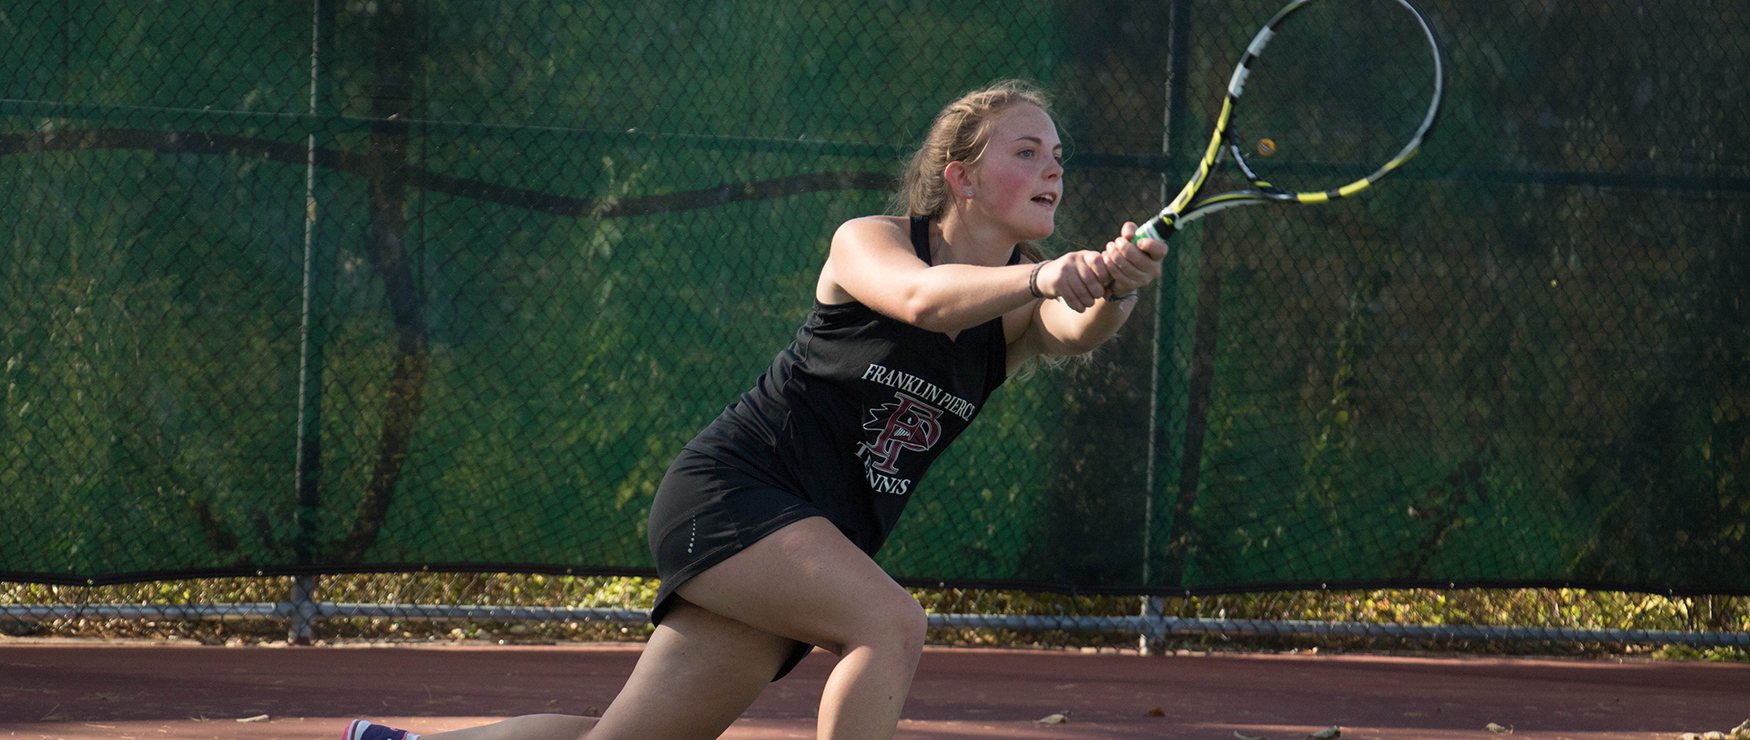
1048	200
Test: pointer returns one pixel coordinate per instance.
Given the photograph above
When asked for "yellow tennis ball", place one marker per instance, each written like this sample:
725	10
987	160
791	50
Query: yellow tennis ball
1266	147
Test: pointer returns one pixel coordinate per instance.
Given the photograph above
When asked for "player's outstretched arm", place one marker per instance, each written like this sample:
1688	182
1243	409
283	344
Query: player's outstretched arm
872	262
1057	328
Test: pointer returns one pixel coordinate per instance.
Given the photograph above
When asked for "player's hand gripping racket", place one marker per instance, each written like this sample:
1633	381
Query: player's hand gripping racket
1349	92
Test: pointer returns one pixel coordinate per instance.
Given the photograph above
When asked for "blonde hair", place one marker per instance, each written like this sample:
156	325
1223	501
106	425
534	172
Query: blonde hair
960	133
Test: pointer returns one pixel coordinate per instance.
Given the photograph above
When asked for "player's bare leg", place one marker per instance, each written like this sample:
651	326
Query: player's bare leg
809	583
697	674
719	648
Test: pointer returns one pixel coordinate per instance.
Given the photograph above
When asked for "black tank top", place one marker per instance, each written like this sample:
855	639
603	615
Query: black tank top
854	411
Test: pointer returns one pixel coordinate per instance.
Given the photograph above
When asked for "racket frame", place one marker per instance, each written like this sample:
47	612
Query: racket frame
1187	206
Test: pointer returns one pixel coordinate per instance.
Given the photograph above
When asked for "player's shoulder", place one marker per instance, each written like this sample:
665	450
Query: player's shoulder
873	230
876	225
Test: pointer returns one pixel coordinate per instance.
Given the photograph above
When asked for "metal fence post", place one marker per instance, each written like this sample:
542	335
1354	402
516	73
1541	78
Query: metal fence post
317	266
1149	640
303	610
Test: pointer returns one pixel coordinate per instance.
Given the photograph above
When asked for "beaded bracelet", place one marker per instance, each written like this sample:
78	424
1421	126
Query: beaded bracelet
1033	281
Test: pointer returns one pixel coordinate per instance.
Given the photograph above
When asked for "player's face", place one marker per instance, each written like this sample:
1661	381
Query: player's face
1019	179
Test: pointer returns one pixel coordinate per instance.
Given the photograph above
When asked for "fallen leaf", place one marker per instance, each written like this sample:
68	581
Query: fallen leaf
1688	736
1742	732
592	712
1329	733
1156	712
256	718
1497	729
1713	735
1051	719
552	702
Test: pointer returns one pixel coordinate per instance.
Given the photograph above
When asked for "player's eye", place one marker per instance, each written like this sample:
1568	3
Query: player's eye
1026	153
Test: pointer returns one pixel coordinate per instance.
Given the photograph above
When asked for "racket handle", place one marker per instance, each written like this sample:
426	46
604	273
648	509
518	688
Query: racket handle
1155	228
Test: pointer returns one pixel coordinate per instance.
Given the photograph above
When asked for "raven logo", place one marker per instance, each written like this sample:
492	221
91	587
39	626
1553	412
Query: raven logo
906	424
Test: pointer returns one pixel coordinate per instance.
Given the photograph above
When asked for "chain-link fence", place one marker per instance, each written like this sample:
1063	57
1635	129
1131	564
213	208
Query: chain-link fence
304	288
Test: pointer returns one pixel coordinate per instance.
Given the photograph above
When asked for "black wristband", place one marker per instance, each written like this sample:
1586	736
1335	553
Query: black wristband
1033	281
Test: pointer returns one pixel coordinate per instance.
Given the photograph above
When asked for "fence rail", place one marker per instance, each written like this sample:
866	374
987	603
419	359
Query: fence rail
439	605
1147	628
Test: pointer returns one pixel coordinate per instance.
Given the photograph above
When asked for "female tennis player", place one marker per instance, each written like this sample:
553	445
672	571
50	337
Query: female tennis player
764	527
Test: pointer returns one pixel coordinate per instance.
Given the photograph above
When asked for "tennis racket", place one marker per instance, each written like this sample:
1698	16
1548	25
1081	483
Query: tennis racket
1350	92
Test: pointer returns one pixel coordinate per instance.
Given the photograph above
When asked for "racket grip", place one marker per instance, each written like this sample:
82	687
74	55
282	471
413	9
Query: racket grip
1155	228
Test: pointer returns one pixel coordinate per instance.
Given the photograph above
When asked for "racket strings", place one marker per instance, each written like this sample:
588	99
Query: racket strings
1338	93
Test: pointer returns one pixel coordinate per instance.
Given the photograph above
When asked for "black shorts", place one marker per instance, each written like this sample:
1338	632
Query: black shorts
706	511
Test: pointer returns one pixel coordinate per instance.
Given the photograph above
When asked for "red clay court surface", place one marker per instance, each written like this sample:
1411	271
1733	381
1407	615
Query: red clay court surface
80	691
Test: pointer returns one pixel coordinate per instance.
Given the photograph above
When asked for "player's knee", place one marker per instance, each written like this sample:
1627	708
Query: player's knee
894	627
906	624
917	627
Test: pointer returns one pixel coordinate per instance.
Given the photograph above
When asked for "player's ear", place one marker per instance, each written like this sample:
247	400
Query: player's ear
959	178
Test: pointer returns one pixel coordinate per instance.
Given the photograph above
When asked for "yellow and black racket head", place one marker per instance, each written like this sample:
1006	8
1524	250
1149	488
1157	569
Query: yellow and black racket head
1327	98
1335	95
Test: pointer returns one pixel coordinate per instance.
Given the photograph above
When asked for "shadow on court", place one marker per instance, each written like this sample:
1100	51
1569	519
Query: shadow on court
81	690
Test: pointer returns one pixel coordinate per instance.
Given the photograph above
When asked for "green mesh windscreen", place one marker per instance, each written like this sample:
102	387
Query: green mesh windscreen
384	285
